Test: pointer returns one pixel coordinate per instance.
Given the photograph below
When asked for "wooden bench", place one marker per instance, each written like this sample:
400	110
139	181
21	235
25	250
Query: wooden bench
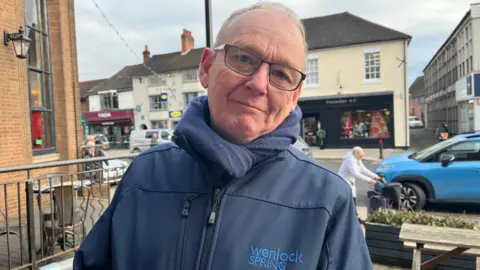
450	241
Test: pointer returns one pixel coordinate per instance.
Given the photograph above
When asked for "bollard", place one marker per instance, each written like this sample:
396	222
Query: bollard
380	142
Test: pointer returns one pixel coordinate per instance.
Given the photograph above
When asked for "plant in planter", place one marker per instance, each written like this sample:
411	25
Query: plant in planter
382	236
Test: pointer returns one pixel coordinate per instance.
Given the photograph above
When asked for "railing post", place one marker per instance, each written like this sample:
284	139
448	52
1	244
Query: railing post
32	252
380	142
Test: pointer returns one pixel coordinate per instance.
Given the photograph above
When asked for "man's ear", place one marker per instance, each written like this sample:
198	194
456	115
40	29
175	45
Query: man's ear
296	95
205	65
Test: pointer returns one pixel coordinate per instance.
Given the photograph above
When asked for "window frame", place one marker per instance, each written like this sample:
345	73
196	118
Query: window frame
160	120
159	101
308	72
185	97
186	73
44	34
111	95
369	52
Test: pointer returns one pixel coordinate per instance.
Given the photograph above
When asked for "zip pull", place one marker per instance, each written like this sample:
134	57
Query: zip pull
211	220
186	206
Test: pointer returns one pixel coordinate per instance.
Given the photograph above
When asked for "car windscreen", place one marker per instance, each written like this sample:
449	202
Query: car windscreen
432	149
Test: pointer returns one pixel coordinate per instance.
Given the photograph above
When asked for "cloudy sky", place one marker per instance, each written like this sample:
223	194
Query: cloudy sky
101	53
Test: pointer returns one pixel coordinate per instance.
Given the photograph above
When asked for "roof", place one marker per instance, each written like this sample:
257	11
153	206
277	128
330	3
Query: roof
162	63
344	29
87	85
122	81
448	39
417	88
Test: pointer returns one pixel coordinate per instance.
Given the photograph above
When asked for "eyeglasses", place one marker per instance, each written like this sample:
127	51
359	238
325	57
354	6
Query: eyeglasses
247	63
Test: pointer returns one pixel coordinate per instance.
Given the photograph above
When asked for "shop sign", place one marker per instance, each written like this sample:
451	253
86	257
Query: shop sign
463	89
341	101
175	114
108	123
104	115
163	97
138	108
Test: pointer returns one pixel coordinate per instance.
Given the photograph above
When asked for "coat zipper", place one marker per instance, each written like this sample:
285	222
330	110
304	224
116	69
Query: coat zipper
183	230
211	225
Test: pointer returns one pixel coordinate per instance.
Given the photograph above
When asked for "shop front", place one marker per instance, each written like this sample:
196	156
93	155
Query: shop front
467	95
345	121
115	125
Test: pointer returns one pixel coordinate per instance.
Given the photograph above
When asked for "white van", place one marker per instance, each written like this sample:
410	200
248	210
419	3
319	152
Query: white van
140	140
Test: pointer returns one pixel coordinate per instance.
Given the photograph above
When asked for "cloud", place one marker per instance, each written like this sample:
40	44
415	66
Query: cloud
159	24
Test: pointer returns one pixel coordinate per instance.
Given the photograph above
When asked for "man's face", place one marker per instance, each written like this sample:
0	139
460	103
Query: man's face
91	149
360	156
244	108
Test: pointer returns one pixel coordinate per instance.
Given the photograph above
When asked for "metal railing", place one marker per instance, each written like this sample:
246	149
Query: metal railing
45	216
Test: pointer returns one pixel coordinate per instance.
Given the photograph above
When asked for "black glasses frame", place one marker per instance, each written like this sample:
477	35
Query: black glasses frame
225	47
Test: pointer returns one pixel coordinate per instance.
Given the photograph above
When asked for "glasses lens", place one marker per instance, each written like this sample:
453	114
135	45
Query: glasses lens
284	77
242	61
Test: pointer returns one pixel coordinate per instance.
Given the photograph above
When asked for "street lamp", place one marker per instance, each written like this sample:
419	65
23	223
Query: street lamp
21	42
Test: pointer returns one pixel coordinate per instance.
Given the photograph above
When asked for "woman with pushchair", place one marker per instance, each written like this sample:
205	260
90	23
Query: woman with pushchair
352	169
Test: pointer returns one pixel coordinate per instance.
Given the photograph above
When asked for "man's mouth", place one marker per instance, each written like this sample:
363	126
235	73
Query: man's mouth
248	105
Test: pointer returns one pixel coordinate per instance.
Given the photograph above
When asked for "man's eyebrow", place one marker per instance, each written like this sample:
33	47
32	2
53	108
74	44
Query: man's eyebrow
255	51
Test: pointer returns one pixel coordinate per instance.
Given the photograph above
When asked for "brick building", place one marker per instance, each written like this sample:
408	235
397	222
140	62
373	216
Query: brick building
417	99
40	95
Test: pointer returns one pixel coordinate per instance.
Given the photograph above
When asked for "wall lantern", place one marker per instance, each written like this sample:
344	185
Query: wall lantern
21	42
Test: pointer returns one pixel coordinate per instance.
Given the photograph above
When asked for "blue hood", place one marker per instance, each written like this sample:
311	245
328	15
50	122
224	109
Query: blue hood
397	158
222	156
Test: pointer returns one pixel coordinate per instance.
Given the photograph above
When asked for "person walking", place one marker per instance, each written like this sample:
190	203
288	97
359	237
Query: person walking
352	169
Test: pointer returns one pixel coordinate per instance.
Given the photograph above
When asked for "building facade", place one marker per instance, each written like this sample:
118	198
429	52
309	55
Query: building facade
417	99
110	107
162	91
85	86
450	77
40	100
356	85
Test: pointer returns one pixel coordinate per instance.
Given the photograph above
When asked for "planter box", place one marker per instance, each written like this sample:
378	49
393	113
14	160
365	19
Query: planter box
386	248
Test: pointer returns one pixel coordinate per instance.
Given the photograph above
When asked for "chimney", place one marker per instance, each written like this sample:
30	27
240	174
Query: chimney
188	42
146	55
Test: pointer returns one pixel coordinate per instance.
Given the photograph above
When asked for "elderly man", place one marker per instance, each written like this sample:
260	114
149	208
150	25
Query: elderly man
231	192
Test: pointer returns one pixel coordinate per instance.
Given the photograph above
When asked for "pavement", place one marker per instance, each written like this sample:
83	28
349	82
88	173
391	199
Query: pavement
419	139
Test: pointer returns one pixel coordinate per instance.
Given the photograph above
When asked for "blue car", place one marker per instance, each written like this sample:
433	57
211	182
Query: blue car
447	171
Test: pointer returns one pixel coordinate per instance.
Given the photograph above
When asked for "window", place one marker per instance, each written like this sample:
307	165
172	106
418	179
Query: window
108	101
372	65
466	151
190	75
365	124
312	71
160	124
157	81
188	97
156	103
40	78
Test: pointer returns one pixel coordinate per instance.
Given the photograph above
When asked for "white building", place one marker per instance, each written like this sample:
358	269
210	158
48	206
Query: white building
110	106
452	78
161	100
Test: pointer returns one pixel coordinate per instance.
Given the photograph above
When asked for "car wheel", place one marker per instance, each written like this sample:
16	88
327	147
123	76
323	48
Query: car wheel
136	150
412	197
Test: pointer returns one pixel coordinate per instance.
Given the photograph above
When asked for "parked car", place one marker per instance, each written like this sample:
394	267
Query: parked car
447	171
301	145
414	122
140	140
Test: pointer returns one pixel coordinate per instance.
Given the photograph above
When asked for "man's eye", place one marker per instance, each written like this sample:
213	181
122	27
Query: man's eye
243	58
280	75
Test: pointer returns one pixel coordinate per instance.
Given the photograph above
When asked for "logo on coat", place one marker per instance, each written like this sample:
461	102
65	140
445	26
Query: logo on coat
273	258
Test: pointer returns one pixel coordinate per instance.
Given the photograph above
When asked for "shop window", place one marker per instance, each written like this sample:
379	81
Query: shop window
190	75
188	97
160	124
312	72
156	103
108	101
40	78
365	124
372	65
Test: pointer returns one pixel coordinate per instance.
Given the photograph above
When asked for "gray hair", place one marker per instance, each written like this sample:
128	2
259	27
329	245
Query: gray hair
357	150
266	6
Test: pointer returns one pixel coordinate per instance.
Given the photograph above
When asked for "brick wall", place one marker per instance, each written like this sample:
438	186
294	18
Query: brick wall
15	127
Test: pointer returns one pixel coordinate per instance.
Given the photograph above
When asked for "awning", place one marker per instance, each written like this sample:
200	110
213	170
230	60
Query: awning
106	121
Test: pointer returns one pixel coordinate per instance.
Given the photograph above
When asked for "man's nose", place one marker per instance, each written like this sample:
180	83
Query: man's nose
259	80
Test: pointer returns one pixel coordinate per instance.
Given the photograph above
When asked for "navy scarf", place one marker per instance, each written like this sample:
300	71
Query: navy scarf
234	159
